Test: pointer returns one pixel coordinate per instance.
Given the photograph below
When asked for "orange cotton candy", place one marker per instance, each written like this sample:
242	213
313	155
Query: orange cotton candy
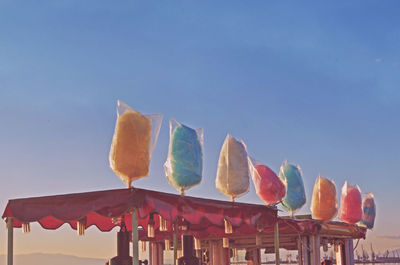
324	204
129	155
350	204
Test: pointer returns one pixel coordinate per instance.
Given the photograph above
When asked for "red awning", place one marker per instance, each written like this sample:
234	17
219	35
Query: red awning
205	217
103	208
308	226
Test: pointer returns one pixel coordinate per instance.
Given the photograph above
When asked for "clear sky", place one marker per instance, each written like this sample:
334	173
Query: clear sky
313	82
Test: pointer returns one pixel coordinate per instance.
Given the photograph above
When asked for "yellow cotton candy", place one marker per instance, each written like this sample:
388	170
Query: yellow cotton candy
129	154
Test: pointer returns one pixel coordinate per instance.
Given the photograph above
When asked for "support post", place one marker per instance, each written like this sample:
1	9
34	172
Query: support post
276	243
312	250
318	249
156	253
305	249
299	252
211	249
349	252
315	250
175	242
216	252
340	255
256	256
10	242
151	260
135	238
226	256
160	252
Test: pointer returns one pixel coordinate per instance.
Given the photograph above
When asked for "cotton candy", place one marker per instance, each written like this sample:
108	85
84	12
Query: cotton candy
324	203
350	204
233	169
368	211
129	155
184	164
295	196
268	185
134	139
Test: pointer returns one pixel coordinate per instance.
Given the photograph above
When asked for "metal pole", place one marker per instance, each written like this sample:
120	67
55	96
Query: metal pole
348	244
175	241
10	242
306	250
135	238
151	246
276	243
299	251
316	249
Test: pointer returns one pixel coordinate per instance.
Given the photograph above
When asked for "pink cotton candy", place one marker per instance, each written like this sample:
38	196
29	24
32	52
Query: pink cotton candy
350	204
268	186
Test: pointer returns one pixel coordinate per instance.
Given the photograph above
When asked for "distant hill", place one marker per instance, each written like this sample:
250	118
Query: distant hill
51	259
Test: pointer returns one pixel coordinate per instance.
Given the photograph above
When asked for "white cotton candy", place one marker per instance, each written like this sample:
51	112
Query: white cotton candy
233	169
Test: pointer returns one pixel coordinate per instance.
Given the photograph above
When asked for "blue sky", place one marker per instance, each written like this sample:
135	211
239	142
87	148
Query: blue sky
316	83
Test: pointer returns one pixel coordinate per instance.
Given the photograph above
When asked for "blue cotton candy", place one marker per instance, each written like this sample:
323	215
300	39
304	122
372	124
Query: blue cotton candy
295	196
186	158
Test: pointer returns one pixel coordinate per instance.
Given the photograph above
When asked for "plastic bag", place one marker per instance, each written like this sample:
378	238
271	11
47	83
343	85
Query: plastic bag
350	204
269	187
368	210
324	203
134	139
184	165
233	168
295	196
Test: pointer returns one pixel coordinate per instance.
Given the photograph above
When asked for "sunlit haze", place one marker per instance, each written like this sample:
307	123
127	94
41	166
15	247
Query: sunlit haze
316	83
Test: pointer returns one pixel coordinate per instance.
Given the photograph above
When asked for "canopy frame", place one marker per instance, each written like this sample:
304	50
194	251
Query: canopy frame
205	217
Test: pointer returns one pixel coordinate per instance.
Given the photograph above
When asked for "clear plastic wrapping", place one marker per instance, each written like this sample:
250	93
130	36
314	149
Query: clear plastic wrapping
133	143
350	204
269	187
184	165
368	210
324	202
233	168
295	196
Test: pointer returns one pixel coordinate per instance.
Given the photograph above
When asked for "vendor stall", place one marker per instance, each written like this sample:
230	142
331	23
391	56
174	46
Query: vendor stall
162	218
203	218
